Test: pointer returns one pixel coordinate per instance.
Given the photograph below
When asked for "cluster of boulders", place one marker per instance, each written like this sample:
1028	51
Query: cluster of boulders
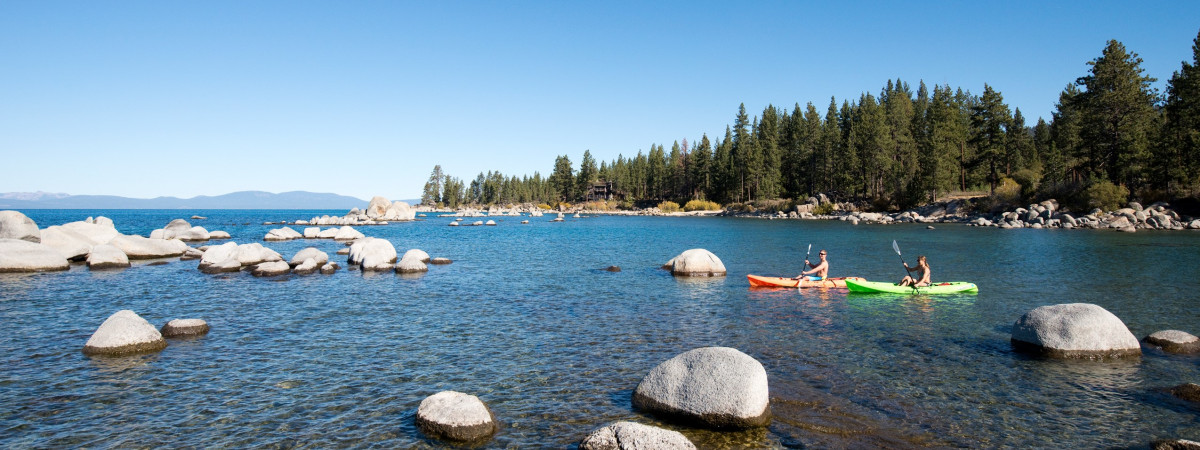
345	233
25	248
477	223
184	231
1129	219
263	262
719	388
379	255
126	333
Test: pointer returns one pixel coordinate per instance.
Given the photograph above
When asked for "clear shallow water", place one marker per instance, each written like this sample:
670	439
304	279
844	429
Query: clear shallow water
525	319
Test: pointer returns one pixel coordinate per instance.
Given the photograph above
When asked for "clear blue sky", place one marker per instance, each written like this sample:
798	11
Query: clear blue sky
145	99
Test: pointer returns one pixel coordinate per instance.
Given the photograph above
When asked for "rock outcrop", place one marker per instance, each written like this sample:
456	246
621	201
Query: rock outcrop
634	436
282	234
124	333
455	416
373	254
697	262
1174	341
67	242
231	257
270	269
15	225
137	247
183	328
319	257
716	387
18	255
105	256
1074	330
419	254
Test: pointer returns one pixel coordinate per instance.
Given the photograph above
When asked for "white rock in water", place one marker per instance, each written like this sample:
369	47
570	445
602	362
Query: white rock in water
137	247
105	256
318	256
411	265
17	255
306	267
282	234
270	269
632	435
419	254
100	232
15	225
312	232
697	262
1075	330
185	328
218	235
69	243
373	254
719	387
348	233
124	333
455	416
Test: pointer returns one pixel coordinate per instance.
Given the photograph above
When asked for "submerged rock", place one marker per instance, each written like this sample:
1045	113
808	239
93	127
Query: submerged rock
634	436
716	387
185	328
455	416
124	333
1074	330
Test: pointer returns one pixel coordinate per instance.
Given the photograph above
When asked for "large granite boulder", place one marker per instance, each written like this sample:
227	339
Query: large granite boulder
416	253
319	257
270	269
378	207
282	234
231	257
182	230
716	387
634	436
67	242
18	255
105	256
347	233
373	254
15	225
99	231
183	328
312	232
1074	330
411	264
455	416
124	333
307	267
1174	341
137	247
218	234
697	262
400	211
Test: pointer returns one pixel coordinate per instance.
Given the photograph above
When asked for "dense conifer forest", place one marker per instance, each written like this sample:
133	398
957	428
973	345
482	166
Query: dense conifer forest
1112	137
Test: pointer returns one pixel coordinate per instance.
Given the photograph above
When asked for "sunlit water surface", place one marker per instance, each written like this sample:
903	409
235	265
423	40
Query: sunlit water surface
526	319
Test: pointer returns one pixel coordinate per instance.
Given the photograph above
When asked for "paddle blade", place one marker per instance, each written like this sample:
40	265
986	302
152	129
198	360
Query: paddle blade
895	247
809	248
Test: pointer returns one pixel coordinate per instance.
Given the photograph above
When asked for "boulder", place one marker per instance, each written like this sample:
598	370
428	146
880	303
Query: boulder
1187	391
1074	330
69	243
419	254
124	333
319	257
270	269
1174	444
613	269
218	235
18	255
105	256
634	436
373	254
329	268
1174	341
180	328
282	234
307	267
312	232
137	247
101	231
329	233
15	225
378	207
440	261
191	254
400	211
697	262
455	416
231	257
716	387
347	234
411	265
255	253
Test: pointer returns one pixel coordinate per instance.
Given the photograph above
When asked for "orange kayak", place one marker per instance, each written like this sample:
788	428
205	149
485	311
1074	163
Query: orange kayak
761	281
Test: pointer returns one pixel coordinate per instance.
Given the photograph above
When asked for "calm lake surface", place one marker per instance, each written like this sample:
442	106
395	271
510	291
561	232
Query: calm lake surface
526	319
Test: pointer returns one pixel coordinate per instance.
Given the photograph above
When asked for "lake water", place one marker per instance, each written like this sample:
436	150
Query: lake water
526	319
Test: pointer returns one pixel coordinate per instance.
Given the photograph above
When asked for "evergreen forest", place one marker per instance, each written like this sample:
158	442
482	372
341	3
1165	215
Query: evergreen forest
1112	137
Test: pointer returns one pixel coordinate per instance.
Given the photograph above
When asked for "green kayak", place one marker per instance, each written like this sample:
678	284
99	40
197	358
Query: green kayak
937	288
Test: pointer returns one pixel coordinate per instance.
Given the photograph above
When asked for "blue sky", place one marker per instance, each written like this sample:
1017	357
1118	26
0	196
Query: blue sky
146	99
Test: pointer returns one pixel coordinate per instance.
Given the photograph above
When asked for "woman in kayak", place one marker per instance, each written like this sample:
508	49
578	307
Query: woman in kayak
923	266
819	271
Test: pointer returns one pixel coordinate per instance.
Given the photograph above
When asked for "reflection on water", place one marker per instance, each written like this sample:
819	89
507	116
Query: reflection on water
555	346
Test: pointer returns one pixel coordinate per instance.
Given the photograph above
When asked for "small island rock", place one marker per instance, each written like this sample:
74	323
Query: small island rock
270	269
137	247
373	254
1174	341
440	261
455	416
717	387
124	333
307	267
697	262
1074	330
185	328
411	265
634	436
310	253
419	254
105	256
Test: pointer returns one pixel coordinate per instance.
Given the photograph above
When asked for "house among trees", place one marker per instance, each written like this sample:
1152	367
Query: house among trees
600	192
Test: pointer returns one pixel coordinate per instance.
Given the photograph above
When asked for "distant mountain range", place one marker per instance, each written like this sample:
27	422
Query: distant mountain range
236	200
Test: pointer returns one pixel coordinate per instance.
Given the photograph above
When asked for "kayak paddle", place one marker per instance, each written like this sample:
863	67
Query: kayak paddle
896	247
809	252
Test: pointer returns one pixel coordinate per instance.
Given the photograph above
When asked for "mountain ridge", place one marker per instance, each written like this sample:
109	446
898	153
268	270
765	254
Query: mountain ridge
233	200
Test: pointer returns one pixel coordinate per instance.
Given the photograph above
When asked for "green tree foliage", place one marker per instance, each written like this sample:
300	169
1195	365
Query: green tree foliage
562	180
432	193
1117	112
989	121
587	173
1180	152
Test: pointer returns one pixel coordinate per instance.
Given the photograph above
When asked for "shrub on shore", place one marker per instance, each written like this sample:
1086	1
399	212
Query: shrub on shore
701	205
669	207
1105	195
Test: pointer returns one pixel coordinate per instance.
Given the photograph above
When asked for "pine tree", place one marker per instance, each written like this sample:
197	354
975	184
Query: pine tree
1117	112
431	195
562	180
587	173
1181	134
988	122
700	169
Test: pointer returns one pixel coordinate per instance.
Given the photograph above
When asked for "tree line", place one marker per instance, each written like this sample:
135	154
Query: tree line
904	147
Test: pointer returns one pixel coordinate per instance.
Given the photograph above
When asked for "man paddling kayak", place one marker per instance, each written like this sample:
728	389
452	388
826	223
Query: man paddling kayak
923	266
819	271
